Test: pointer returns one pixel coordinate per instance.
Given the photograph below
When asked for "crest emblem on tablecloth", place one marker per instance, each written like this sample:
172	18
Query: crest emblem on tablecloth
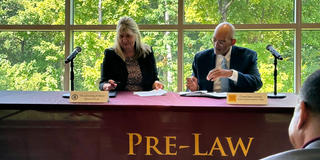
74	97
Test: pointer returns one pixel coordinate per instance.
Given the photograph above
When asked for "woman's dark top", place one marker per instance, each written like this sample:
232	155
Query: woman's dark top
113	67
134	75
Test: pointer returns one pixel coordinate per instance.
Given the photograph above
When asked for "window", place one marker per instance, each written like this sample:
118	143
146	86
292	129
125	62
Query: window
310	11
31	60
32	12
109	12
310	53
239	12
37	35
257	41
88	62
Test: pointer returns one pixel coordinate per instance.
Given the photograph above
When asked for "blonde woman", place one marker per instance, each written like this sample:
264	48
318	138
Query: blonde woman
129	64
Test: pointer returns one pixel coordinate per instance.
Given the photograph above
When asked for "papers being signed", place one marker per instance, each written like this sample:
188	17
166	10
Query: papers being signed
159	92
204	94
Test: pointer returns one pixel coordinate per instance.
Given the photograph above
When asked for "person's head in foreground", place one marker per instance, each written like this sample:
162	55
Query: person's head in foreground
304	128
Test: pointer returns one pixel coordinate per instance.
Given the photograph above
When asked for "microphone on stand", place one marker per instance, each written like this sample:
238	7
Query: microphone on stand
70	59
274	52
276	56
73	54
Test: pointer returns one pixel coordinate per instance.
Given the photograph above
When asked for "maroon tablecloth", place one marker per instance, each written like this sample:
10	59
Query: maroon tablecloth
45	100
131	127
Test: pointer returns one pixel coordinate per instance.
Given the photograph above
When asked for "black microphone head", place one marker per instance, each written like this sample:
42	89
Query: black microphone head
78	49
274	52
73	54
268	46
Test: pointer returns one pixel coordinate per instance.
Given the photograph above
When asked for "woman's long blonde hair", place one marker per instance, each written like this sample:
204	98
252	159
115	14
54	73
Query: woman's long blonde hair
124	24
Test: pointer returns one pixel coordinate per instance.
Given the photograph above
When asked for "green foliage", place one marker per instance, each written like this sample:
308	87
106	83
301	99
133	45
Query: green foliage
9	8
311	53
310	11
142	11
239	11
24	76
32	12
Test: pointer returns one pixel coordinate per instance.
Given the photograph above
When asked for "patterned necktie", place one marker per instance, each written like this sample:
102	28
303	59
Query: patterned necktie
224	81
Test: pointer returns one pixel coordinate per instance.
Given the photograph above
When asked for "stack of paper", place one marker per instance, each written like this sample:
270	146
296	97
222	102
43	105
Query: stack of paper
204	94
159	92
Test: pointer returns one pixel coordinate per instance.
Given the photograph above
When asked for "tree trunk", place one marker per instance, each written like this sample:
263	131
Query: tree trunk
168	47
223	9
100	16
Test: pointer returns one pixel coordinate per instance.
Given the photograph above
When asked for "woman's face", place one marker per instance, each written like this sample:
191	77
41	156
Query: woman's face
127	39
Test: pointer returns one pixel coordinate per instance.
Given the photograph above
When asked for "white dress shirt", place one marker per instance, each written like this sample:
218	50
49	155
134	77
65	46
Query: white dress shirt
234	77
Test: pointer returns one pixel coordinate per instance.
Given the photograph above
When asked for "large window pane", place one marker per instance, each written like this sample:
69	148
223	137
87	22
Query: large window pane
310	53
88	62
32	12
310	11
239	12
257	41
142	11
31	61
165	47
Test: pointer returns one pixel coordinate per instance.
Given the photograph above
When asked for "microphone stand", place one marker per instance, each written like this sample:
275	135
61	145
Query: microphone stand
67	95
275	74
70	59
72	76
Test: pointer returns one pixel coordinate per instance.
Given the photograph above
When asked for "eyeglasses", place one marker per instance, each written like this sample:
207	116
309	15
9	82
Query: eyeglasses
220	42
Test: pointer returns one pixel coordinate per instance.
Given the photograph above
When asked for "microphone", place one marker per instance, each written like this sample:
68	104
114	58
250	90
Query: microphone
274	52
73	54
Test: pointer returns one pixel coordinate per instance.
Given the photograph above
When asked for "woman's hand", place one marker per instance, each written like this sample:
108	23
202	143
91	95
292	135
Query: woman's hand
111	85
157	85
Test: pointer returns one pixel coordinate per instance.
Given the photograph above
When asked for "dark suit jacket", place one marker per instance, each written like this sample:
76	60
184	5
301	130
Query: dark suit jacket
113	67
242	60
311	152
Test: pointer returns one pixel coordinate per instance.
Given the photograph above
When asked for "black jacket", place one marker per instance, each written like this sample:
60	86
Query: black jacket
113	67
242	60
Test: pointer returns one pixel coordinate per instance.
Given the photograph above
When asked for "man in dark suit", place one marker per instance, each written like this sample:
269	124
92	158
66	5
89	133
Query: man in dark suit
304	129
225	68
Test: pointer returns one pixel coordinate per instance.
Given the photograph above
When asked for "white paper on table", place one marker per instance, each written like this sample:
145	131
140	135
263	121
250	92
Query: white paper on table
204	94
159	92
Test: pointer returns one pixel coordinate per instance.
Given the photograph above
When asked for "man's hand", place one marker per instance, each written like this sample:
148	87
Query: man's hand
157	85
192	83
219	73
111	85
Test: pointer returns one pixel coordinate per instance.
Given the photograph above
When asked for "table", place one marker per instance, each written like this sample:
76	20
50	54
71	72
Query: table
133	127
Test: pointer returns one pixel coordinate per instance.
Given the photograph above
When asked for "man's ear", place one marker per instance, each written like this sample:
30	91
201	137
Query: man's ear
303	115
233	41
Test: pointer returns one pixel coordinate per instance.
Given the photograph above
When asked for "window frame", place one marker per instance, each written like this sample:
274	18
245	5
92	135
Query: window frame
68	28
